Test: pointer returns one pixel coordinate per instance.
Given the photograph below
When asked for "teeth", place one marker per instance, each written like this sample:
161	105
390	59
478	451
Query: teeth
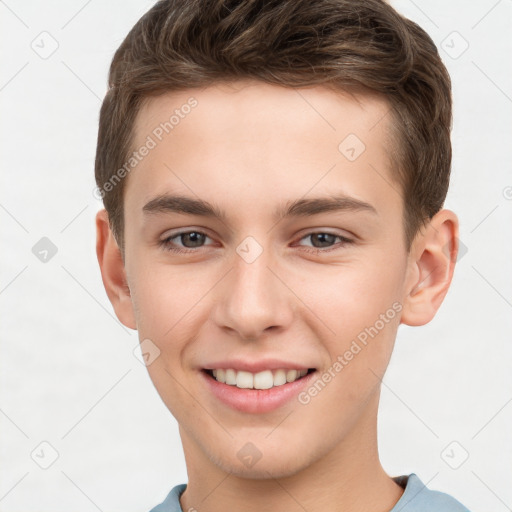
231	377
262	380
291	375
244	380
279	377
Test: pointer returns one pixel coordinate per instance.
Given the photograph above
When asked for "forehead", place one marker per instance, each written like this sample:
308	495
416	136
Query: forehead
278	142
252	105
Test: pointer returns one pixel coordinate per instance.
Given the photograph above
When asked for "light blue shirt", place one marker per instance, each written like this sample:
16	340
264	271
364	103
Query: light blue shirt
416	498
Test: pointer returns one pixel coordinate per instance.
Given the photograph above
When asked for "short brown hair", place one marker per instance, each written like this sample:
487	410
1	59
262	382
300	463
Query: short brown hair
181	44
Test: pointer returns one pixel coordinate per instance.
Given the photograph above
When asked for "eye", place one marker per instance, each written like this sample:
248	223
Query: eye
190	240
322	240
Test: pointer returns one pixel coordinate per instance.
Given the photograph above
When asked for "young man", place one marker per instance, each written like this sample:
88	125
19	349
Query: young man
273	175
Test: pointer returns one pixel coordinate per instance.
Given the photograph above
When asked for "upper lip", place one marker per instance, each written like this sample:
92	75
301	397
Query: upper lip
256	366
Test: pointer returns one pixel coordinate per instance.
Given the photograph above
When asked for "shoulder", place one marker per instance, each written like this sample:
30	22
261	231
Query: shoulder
417	497
172	501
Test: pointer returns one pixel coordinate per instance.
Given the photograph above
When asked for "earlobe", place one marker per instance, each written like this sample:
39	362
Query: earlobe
434	253
113	271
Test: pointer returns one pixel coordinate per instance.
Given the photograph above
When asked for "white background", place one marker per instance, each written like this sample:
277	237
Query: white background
68	374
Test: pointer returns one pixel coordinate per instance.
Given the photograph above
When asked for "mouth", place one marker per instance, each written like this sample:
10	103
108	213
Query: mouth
266	379
256	393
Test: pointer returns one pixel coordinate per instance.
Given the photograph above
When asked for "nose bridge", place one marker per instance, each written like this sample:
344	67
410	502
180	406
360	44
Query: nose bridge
252	299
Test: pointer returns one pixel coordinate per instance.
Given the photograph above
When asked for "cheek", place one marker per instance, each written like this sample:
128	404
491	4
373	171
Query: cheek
350	298
361	305
165	297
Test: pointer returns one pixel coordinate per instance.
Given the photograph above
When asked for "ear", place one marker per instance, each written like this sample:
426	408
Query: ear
113	271
432	262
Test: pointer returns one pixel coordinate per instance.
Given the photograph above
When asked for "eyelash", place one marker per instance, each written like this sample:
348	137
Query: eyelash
166	243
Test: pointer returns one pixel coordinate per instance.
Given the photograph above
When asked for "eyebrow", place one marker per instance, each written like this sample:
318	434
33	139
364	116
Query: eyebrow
166	203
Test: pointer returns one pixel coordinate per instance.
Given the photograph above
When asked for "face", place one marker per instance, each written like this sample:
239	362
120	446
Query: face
264	235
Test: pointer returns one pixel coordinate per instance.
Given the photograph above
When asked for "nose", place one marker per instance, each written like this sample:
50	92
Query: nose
253	299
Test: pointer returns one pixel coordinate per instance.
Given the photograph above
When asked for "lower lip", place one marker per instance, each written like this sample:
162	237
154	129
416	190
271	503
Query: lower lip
256	401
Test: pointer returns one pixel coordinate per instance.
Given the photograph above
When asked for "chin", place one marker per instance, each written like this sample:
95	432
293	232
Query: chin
278	464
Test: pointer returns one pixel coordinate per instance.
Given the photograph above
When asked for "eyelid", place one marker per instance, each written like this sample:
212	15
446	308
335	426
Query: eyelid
170	233
344	234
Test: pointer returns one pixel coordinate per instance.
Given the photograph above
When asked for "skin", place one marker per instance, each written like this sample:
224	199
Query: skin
248	148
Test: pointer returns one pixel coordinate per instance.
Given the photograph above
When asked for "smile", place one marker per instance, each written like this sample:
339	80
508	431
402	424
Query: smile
266	379
256	393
